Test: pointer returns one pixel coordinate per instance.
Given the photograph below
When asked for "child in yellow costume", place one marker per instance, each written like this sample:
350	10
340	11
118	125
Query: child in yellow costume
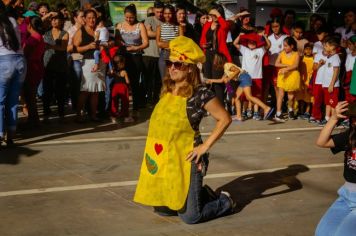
175	157
288	76
304	96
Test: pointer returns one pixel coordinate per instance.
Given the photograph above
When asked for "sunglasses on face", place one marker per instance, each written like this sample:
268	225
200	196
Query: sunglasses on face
178	65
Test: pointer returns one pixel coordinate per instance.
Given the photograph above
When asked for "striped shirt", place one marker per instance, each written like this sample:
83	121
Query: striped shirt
169	32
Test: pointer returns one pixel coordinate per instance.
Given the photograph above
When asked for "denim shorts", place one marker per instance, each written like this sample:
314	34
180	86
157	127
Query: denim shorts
245	80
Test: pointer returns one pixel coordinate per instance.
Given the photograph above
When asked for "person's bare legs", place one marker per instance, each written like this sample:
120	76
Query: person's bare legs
238	94
255	100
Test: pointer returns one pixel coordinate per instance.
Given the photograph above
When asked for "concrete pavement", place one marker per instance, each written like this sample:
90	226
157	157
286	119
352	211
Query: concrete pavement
79	179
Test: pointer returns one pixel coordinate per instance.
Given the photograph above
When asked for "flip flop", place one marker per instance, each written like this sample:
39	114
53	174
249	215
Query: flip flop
268	116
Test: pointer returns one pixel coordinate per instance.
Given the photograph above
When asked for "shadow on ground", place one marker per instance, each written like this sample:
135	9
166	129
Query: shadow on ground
247	188
12	156
53	130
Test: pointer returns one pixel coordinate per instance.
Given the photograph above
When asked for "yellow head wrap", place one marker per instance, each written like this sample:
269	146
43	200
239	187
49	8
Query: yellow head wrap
185	50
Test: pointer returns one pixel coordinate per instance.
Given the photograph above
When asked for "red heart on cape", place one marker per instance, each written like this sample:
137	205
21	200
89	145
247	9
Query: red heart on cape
158	148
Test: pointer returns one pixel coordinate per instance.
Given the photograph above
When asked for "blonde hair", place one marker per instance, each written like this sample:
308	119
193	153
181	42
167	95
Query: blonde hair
192	82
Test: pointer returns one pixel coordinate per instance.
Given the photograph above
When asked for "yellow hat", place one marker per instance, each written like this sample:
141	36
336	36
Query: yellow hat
227	69
184	49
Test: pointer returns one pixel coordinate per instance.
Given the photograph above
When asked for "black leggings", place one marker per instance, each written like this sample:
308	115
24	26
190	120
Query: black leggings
135	67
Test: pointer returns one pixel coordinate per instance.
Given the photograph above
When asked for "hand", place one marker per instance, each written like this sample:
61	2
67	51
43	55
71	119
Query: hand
331	88
321	62
131	48
196	154
92	46
208	81
283	71
226	79
340	110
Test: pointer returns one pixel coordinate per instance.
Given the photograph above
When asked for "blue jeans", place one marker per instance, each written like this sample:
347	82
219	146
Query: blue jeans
108	83
97	56
13	71
163	56
340	218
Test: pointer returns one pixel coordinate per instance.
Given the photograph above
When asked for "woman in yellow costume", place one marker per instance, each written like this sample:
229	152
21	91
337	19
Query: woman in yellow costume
175	157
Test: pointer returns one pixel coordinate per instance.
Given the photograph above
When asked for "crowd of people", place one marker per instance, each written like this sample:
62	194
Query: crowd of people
68	58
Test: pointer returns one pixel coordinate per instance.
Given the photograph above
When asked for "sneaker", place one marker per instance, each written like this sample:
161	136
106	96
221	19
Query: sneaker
269	114
244	115
305	116
256	116
249	114
322	123
232	203
279	118
312	120
291	115
345	123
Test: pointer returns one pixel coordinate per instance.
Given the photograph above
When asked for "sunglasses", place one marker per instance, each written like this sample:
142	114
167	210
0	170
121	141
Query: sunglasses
177	65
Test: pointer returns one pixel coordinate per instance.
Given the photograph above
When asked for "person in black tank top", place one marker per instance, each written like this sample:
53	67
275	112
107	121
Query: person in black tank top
93	82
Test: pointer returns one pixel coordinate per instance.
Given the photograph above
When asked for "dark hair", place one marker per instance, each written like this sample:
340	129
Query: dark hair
299	25
158	4
333	40
59	16
219	61
60	6
75	14
308	45
181	7
260	29
131	9
43	4
291	42
173	10
220	9
323	29
352	9
101	9
7	33
37	24
170	7
278	20
88	11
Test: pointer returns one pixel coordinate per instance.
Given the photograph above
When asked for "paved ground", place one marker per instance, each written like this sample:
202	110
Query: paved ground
71	179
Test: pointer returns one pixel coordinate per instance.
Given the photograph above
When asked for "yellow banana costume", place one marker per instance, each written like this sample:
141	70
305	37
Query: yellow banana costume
165	173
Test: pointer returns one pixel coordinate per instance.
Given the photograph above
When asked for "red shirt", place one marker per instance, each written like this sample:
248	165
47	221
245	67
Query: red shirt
223	30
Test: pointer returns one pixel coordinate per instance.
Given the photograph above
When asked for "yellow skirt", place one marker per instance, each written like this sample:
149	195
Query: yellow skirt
289	82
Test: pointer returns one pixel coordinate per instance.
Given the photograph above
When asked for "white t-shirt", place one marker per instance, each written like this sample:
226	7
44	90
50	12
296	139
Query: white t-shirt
344	35
5	51
276	47
318	48
103	34
330	63
252	61
350	61
320	73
